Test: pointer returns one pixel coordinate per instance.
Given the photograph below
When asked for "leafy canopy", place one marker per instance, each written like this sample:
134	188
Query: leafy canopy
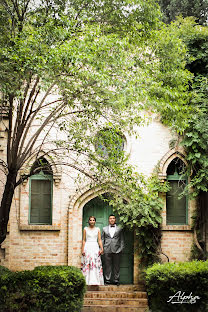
82	66
196	8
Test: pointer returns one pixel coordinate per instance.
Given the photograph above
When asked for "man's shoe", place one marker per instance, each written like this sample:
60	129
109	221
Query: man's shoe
107	283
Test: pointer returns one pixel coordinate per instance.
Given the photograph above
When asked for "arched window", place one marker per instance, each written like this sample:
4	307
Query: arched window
176	206
41	191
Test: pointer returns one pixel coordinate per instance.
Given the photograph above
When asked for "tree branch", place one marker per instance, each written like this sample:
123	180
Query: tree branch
15	4
36	135
31	118
10	115
32	92
26	129
25	8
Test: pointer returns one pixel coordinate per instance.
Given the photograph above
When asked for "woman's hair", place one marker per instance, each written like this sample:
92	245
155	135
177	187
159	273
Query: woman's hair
91	217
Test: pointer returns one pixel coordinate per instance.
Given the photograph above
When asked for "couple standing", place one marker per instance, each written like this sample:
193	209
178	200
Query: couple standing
110	243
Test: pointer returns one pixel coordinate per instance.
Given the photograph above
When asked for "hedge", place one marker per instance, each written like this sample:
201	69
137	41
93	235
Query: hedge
44	289
184	283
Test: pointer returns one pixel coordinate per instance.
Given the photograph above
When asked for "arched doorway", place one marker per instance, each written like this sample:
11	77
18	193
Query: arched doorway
101	210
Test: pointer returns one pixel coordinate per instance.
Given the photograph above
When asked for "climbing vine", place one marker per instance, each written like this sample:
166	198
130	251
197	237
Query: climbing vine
186	113
193	130
190	119
139	206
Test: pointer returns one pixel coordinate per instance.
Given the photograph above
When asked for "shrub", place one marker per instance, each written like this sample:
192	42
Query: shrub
185	279
46	288
3	270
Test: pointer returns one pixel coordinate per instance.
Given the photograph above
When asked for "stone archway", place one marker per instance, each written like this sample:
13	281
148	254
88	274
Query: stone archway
75	222
51	158
75	226
101	210
166	160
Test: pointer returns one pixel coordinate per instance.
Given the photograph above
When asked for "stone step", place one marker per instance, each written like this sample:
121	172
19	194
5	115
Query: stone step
114	288
116	301
115	294
119	308
111	298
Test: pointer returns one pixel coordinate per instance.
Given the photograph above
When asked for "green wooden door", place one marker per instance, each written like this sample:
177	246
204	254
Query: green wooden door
101	210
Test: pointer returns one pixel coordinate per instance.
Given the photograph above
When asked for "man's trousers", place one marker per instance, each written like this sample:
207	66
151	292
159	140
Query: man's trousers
112	267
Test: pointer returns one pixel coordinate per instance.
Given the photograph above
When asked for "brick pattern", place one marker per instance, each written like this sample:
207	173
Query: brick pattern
115	299
28	246
177	245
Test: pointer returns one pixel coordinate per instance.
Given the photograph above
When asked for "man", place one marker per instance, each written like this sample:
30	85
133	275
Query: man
113	244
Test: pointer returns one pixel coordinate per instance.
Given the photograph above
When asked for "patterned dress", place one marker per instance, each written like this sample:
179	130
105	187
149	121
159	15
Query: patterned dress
91	262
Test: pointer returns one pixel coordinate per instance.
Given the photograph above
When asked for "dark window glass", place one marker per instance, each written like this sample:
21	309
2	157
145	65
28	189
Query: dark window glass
176	206
40	210
41	184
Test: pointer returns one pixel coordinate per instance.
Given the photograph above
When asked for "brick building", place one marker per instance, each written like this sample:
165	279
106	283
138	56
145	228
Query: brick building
54	237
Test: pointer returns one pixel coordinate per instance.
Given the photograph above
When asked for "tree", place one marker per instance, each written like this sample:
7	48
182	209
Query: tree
173	8
79	68
82	53
192	127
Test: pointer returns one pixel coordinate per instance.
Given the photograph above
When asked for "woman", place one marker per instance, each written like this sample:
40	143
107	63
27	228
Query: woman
91	260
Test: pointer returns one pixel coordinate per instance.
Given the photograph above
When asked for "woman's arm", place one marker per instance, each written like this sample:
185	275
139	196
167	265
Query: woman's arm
100	242
83	242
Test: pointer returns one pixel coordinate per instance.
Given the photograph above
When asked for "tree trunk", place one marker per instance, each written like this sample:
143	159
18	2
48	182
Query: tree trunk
6	203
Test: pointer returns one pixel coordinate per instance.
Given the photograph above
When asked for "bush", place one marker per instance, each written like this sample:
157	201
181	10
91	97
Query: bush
185	279
3	270
46	288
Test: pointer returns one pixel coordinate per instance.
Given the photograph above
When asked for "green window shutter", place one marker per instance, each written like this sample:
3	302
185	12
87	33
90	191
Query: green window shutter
176	208
40	201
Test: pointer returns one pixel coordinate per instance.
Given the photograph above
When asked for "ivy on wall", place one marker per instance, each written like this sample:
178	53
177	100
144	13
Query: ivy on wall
193	130
139	206
186	112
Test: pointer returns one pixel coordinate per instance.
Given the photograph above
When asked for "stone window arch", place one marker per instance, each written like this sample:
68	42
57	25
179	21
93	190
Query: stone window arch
167	159
168	171
53	162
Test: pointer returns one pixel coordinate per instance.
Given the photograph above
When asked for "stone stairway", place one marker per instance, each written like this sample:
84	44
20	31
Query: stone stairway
123	298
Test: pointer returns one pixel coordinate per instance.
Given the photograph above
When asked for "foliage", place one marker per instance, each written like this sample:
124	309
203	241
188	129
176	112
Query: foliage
196	134
173	8
139	208
165	280
195	253
172	85
3	270
65	66
80	67
189	117
195	142
198	250
47	288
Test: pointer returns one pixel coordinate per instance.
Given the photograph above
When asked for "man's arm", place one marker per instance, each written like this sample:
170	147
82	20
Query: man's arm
103	237
122	240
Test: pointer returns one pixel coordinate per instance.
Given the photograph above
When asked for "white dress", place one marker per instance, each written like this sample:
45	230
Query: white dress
91	261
